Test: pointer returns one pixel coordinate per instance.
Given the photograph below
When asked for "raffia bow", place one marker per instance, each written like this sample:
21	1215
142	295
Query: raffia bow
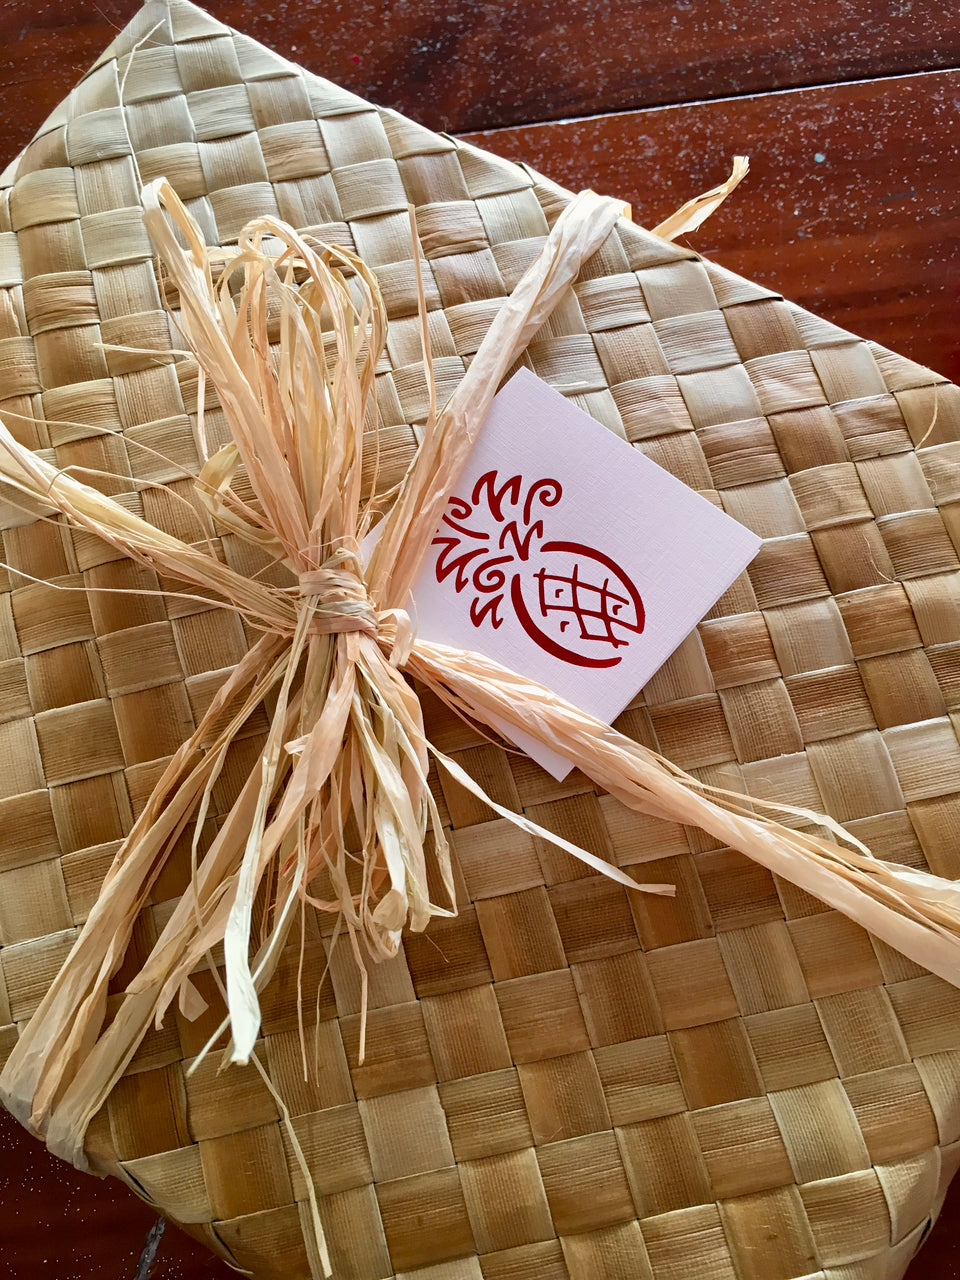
340	794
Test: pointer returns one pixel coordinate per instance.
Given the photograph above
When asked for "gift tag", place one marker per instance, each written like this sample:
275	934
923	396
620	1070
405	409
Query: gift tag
567	555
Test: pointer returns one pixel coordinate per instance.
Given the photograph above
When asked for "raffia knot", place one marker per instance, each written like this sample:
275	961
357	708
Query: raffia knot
337	596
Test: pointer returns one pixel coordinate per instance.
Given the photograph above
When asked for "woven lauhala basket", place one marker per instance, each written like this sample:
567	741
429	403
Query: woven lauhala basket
564	1081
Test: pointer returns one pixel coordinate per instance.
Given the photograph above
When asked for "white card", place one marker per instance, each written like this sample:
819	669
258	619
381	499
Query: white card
568	556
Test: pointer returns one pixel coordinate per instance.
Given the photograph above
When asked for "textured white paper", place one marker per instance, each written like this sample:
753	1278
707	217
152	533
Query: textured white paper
567	555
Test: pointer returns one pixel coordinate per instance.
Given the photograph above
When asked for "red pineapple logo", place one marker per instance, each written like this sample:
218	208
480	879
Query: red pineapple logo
571	600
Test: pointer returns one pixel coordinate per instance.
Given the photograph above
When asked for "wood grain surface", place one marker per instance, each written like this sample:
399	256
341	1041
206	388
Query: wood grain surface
850	209
480	64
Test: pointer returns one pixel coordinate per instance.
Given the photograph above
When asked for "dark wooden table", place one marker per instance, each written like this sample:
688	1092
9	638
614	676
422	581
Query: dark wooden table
850	113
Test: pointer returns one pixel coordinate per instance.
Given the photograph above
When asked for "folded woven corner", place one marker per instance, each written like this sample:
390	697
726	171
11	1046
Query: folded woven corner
565	1082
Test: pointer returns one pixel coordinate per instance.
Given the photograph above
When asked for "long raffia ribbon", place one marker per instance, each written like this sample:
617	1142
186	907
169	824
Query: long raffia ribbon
340	791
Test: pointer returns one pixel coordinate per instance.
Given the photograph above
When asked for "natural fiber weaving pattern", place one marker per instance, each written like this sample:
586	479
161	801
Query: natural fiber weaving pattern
565	1082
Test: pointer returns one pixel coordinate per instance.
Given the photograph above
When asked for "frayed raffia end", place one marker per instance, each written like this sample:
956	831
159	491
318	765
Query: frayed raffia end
340	793
696	211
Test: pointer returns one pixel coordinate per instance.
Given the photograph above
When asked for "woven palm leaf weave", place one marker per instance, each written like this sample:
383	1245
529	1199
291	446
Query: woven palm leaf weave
565	1082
